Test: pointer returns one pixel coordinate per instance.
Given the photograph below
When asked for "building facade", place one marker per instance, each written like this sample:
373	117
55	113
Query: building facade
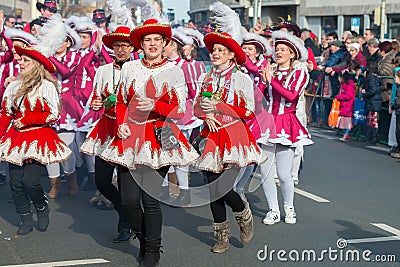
17	8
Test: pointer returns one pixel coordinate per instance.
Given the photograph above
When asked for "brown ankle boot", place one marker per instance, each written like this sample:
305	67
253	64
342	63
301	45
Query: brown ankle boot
72	184
245	220
222	234
55	187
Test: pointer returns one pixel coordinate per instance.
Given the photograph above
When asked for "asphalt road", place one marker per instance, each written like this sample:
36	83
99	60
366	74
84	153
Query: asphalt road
347	191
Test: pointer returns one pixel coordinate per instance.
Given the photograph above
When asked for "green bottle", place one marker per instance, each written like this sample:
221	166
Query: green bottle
110	101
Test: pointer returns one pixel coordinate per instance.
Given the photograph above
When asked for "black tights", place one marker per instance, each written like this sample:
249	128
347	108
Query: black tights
103	177
221	193
142	187
25	186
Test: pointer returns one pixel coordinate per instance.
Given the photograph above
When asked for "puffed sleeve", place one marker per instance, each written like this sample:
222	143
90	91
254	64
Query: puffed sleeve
298	81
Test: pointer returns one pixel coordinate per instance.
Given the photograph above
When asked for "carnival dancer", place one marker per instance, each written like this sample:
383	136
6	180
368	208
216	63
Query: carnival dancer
287	80
174	52
257	49
30	104
106	82
84	86
66	61
151	94
100	19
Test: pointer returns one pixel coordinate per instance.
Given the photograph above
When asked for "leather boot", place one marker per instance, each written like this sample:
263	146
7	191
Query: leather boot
183	199
245	220
72	184
142	249
152	254
55	187
43	218
26	224
222	234
123	235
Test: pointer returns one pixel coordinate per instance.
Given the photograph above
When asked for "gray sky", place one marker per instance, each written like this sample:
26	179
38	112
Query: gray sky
181	7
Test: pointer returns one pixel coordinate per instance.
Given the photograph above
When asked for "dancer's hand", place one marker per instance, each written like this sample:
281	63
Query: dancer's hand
123	131
208	106
96	104
212	123
145	104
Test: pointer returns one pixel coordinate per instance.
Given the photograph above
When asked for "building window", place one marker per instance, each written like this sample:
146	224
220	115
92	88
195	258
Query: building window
73	2
329	24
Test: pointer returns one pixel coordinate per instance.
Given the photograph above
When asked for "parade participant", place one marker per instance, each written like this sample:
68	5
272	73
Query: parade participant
31	103
66	61
36	24
106	83
151	94
256	49
174	52
100	19
287	79
232	99
48	8
84	88
13	38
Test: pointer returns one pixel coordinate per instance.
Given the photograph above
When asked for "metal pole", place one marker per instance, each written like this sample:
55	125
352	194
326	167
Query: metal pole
383	19
255	12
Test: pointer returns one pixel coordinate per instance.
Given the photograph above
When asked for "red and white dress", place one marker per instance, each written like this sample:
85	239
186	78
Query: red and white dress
104	131
164	83
7	70
233	145
283	94
36	140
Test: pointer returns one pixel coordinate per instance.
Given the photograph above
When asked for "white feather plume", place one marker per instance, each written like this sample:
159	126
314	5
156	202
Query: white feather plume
85	24
185	39
74	35
71	21
194	34
148	10
112	26
51	36
13	33
294	40
248	36
122	12
227	20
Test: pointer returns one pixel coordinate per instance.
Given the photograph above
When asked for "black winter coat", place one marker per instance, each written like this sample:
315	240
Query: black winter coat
373	96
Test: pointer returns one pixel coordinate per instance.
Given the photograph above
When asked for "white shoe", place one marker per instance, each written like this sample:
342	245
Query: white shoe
272	217
295	180
290	215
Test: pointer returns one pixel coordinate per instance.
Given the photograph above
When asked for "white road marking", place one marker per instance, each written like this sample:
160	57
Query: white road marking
302	192
387	228
60	263
311	196
384	149
378	239
323	136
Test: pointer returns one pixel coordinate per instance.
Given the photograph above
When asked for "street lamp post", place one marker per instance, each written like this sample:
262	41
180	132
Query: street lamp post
383	19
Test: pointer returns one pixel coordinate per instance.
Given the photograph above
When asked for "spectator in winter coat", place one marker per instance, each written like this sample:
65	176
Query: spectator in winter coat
346	99
373	102
336	55
373	54
356	55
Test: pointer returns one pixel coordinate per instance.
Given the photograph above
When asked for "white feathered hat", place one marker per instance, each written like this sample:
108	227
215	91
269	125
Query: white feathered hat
20	35
293	42
50	39
198	38
180	37
73	37
251	38
84	25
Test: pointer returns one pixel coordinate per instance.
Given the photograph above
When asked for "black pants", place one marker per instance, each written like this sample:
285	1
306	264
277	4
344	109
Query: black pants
142	187
25	186
221	193
103	178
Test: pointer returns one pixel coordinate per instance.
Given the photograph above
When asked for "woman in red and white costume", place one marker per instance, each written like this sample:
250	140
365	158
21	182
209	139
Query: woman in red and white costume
257	49
106	82
151	95
287	79
229	142
31	103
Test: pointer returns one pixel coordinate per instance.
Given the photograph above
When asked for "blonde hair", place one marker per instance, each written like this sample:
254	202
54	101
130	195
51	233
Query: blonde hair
34	79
